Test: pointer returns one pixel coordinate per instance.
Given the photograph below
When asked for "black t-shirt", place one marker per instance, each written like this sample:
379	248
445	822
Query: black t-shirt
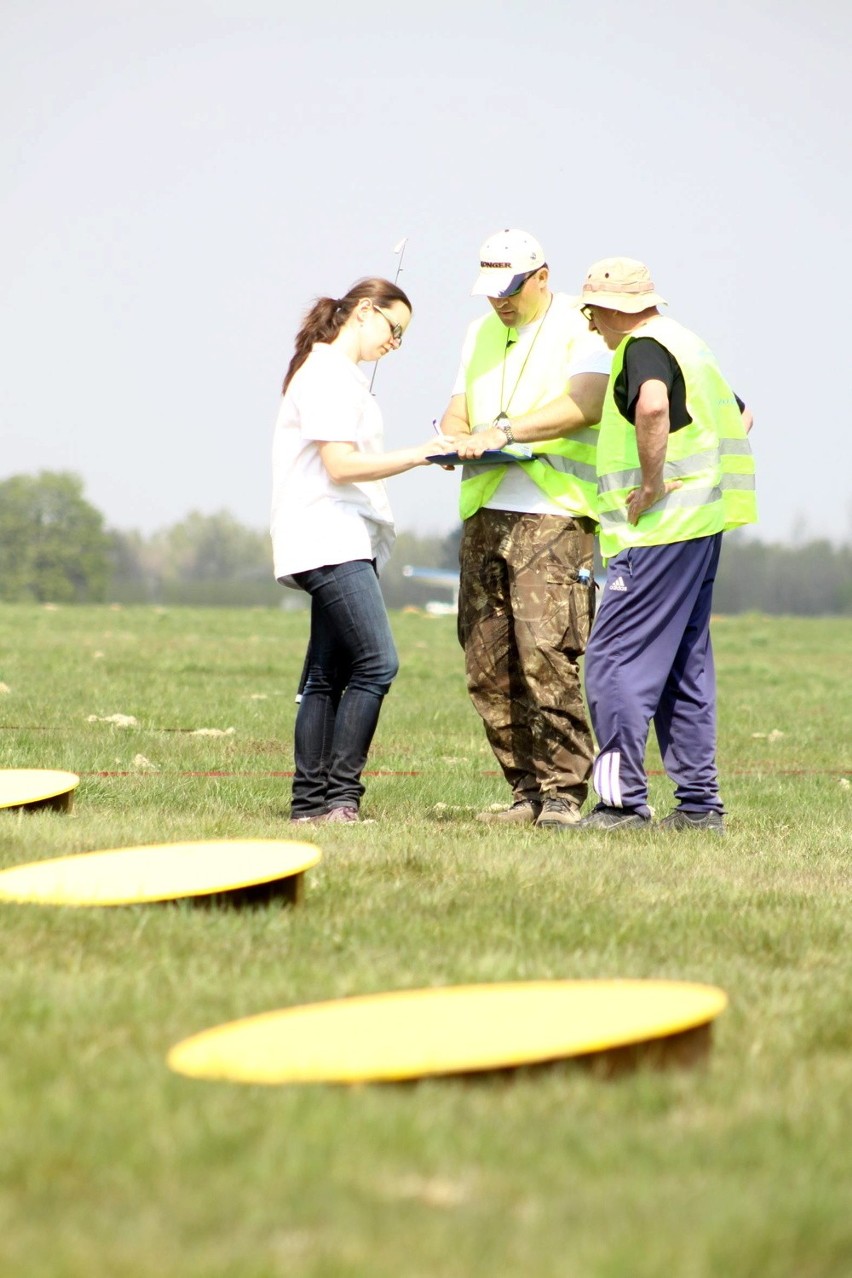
646	360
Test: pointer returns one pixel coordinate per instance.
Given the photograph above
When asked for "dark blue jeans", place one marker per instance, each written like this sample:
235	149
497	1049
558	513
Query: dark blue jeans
352	664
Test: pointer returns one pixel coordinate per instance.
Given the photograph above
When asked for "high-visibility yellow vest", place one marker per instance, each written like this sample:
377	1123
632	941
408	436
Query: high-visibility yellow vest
711	456
497	375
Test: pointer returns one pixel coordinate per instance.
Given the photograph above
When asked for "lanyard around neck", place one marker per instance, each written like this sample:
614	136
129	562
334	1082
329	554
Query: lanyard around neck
504	408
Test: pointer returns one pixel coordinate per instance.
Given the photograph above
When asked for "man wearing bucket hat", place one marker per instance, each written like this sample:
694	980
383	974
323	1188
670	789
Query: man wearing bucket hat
674	471
531	374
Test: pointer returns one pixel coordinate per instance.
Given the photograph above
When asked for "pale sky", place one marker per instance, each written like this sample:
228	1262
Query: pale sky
180	178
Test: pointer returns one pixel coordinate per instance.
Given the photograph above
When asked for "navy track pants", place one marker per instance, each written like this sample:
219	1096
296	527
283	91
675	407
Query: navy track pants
650	657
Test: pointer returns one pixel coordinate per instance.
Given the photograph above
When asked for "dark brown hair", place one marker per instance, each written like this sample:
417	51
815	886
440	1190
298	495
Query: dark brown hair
327	316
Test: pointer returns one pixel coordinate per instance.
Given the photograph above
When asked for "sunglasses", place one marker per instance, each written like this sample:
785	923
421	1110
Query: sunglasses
586	312
396	330
516	291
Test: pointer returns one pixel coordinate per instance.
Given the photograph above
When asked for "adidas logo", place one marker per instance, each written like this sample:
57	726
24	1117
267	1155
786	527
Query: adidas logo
618	584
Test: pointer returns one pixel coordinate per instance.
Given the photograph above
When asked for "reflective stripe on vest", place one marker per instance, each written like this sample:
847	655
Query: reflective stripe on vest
673	470
738	482
678	499
479	483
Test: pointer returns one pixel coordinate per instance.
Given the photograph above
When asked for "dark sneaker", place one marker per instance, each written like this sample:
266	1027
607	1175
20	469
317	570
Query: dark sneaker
605	819
556	811
683	819
522	812
341	816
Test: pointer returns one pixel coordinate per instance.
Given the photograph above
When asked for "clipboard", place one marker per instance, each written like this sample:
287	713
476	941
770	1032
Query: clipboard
491	457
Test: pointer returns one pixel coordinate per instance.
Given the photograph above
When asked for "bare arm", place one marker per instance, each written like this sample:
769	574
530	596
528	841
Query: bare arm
652	437
455	420
580	406
345	465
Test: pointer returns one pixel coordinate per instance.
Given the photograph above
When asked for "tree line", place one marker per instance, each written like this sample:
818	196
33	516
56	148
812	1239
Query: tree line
55	547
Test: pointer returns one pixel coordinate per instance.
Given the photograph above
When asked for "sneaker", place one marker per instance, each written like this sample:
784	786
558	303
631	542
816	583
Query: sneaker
683	819
311	819
556	811
604	818
522	812
341	816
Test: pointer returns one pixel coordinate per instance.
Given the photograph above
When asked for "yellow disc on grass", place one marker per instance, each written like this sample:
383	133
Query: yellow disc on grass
161	872
37	787
410	1034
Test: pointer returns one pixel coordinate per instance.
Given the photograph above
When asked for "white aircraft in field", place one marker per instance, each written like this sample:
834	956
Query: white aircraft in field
445	577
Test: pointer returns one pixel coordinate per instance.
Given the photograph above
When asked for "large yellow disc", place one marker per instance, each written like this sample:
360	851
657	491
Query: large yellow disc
160	872
21	787
413	1033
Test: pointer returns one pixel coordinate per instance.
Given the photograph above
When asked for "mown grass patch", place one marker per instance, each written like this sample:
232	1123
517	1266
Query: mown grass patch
111	1165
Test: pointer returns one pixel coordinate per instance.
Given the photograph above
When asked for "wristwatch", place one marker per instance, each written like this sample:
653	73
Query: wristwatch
502	422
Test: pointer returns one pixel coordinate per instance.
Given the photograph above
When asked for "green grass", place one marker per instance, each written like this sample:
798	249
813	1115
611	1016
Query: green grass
112	1166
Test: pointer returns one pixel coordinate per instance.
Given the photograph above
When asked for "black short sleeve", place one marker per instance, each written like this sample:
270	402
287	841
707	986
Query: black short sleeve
646	360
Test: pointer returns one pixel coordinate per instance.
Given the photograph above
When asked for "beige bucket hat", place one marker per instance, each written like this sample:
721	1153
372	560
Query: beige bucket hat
620	284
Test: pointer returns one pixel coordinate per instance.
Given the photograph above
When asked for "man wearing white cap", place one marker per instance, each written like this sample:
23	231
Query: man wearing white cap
674	471
531	374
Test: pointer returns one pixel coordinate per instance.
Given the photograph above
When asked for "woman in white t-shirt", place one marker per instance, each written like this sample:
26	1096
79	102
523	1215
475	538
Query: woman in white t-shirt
332	532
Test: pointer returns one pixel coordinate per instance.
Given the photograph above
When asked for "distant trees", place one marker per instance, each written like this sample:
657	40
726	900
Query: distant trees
810	580
53	546
204	559
212	559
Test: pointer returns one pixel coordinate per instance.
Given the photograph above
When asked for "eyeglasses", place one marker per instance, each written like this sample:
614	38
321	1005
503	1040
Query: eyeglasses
586	312
516	291
396	330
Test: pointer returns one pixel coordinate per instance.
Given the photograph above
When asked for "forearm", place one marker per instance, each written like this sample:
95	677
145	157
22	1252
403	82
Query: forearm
560	417
345	465
580	406
652	437
455	420
545	423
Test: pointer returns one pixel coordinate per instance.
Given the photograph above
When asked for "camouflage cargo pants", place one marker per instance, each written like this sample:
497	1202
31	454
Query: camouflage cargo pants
524	621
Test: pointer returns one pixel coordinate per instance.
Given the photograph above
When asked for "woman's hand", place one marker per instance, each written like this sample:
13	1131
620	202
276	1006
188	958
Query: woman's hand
434	445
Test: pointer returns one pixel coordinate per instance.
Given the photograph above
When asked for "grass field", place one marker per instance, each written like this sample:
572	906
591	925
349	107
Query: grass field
113	1167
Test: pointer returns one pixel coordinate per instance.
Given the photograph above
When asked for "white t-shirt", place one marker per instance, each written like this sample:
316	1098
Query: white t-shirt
315	521
586	352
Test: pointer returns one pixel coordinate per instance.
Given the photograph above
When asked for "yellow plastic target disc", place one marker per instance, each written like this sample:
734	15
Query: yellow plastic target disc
23	787
414	1033
159	872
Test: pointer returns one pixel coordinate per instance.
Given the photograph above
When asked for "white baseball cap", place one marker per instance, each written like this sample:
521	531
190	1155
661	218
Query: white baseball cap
504	259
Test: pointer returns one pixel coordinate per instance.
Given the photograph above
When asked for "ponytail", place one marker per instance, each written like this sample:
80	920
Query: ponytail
327	317
322	323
